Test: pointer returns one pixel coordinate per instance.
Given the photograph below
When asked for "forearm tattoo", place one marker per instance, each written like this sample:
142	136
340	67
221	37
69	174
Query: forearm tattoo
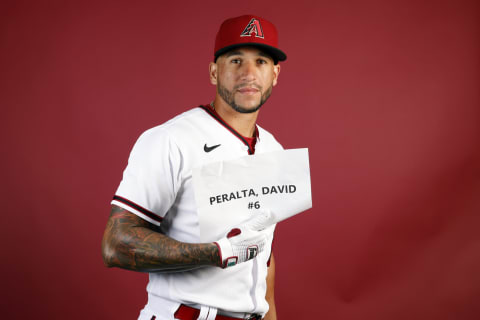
132	243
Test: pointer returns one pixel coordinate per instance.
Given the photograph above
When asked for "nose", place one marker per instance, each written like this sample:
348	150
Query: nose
248	71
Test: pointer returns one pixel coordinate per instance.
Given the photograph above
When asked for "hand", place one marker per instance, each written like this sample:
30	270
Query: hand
246	241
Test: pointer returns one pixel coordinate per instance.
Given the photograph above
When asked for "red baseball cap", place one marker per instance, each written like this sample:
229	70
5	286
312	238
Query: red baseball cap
248	30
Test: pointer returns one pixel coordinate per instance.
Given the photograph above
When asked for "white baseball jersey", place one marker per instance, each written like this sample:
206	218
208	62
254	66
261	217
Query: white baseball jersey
157	186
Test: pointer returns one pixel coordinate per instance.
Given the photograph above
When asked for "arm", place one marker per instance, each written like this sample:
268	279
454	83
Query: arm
129	242
270	295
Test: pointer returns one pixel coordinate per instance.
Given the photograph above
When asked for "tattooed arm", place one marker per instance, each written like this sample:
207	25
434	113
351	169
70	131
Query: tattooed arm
129	242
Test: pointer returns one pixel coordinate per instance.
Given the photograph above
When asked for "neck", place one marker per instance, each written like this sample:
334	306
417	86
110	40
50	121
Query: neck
243	123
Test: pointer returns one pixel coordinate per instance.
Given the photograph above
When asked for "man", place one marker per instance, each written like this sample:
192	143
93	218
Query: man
154	223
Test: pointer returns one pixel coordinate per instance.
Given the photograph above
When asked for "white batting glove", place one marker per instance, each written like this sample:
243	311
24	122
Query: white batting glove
244	242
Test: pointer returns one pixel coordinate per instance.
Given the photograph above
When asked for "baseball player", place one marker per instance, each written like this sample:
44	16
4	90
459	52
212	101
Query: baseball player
154	223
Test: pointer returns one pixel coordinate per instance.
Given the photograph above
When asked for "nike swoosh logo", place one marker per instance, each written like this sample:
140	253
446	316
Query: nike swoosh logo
208	149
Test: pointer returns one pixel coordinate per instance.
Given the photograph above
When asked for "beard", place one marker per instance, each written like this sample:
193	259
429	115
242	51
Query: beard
228	97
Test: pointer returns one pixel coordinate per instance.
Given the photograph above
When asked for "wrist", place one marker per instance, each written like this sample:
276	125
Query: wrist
217	257
225	253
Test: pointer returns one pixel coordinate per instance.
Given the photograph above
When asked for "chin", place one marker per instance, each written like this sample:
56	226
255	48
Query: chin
248	105
246	108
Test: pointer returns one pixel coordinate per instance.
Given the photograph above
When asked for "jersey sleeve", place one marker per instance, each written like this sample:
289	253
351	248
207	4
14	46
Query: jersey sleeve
151	179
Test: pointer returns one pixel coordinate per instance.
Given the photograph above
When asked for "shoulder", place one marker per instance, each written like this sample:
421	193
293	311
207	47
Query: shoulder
174	127
188	117
266	137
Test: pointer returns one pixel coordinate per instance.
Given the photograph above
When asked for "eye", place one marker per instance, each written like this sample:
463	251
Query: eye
236	61
262	61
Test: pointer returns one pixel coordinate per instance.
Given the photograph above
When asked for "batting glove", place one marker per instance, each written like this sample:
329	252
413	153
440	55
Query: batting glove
244	242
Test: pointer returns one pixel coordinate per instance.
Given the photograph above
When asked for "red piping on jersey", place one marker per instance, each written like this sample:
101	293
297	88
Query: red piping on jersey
138	208
228	127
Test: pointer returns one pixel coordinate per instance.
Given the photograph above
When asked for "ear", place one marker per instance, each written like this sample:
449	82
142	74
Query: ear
276	72
212	70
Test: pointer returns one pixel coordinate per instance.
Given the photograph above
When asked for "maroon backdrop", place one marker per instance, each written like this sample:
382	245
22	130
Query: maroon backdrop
385	94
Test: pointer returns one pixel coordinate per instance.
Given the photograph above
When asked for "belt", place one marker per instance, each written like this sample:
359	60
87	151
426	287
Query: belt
188	313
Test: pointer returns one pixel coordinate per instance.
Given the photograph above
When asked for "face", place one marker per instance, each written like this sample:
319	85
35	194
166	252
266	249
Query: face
244	78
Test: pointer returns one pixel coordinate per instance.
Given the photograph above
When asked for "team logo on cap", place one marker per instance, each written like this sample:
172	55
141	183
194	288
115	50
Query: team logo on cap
253	26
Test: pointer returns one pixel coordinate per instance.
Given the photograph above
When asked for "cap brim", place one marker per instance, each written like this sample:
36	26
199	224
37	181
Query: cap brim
276	54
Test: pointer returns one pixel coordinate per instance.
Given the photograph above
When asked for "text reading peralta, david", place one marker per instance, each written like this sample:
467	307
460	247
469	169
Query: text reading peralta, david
247	193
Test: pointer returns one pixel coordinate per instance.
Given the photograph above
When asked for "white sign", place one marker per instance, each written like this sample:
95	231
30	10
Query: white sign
230	192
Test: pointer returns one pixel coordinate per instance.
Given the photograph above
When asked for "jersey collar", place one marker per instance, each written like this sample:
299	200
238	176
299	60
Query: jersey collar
209	109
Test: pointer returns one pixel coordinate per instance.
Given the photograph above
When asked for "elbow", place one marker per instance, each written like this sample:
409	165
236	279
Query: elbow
108	252
107	257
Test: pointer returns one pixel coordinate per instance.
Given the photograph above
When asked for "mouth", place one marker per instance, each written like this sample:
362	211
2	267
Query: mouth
248	90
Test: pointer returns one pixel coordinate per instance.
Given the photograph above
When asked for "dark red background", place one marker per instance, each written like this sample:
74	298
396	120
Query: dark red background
385	94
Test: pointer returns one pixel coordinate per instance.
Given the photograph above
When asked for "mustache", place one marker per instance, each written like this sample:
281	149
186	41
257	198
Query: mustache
247	85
